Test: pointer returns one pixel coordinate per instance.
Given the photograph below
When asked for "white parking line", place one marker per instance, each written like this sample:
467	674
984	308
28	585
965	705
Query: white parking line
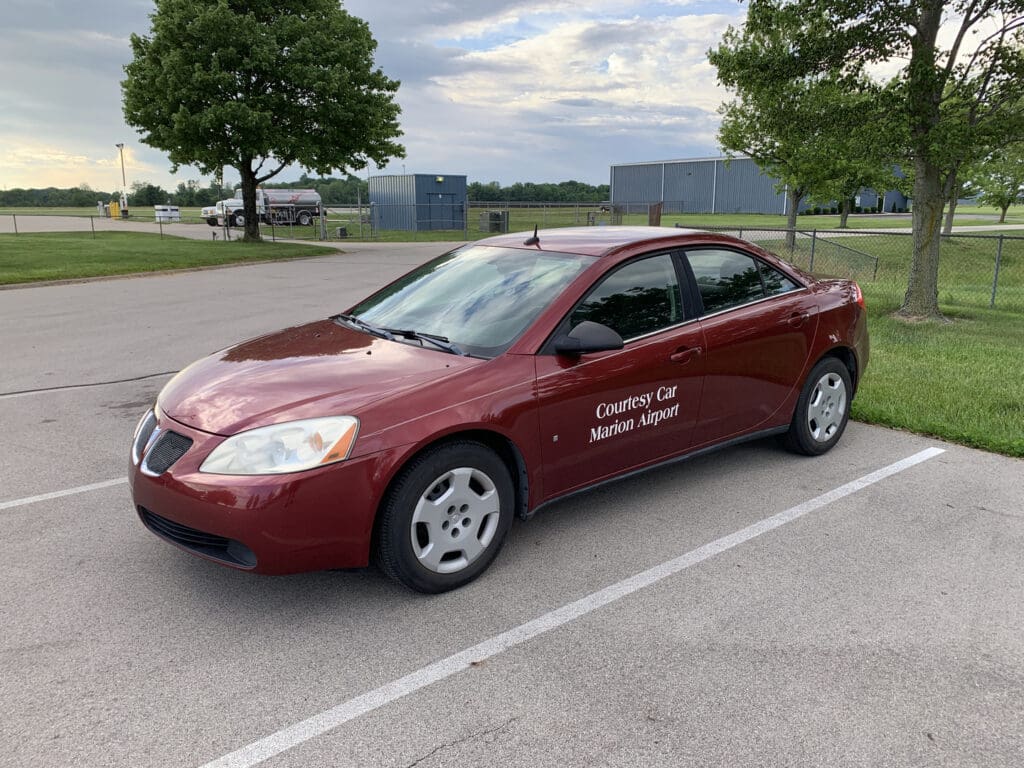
58	494
303	731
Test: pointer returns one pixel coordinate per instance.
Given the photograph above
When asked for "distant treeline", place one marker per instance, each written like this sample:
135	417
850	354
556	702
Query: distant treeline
562	192
343	191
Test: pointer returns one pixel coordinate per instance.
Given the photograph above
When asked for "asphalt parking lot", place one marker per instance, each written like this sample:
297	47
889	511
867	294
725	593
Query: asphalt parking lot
747	608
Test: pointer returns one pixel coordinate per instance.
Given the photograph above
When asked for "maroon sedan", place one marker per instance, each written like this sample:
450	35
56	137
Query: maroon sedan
486	383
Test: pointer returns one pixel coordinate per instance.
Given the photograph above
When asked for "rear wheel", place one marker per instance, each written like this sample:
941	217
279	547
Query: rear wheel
305	219
445	518
823	409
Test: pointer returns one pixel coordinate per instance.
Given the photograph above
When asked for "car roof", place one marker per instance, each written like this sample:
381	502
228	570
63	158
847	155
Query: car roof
597	241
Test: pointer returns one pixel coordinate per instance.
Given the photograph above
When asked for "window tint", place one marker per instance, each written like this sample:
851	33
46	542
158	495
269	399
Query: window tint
636	299
725	278
775	282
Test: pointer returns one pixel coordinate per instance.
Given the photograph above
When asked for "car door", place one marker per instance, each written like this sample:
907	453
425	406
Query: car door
604	413
759	327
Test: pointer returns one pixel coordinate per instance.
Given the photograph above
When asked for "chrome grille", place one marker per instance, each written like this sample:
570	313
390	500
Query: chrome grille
169	447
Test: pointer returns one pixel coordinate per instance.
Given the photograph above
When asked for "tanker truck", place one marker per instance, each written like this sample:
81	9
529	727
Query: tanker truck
273	206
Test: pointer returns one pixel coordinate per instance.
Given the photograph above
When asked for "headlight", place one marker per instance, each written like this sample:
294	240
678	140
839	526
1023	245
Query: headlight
289	447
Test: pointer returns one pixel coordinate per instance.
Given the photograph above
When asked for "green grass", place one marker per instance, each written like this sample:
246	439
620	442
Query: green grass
58	256
959	381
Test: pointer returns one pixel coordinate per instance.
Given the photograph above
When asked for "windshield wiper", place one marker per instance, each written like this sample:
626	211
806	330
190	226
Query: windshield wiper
363	325
438	341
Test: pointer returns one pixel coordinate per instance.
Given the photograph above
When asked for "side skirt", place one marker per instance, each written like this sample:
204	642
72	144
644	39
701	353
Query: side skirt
667	462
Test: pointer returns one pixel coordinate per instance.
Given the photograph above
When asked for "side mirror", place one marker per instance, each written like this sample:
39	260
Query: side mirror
588	337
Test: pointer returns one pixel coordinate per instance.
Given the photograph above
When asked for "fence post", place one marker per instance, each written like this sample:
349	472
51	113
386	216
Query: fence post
814	242
14	218
995	277
740	235
92	226
160	222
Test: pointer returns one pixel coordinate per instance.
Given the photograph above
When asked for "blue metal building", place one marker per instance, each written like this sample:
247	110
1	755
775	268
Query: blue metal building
711	185
418	202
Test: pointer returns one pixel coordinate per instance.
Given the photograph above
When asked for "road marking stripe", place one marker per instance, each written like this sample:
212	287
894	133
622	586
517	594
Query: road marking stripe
303	731
59	494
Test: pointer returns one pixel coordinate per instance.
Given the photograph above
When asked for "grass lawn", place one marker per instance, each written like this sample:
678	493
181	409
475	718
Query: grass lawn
960	381
58	256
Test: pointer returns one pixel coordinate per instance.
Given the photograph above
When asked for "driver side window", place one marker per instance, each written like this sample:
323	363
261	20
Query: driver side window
639	298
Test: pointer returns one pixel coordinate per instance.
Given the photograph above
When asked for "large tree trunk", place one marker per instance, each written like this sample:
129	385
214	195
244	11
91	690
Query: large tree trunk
922	297
1002	213
252	222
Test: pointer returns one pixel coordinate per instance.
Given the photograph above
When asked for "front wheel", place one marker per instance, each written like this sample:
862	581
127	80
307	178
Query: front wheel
212	221
822	410
445	518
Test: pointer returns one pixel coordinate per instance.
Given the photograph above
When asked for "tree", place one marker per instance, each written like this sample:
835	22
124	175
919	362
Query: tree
259	86
144	194
945	106
1000	179
811	132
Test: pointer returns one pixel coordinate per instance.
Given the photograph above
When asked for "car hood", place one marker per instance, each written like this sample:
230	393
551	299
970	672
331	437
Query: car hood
318	369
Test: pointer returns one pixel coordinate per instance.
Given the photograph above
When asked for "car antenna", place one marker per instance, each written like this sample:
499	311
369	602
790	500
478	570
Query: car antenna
532	240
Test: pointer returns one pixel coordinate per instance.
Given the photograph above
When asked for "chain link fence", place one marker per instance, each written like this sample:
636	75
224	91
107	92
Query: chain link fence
975	270
983	270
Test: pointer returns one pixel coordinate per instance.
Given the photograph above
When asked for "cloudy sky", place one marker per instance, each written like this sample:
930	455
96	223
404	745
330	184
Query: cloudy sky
504	90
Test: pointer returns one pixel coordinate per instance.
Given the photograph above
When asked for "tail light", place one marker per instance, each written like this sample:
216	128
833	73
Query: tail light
858	296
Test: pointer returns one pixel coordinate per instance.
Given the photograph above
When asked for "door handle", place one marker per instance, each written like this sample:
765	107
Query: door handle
798	318
685	355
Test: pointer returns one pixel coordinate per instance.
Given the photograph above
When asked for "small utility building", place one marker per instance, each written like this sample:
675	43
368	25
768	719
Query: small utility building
712	185
418	202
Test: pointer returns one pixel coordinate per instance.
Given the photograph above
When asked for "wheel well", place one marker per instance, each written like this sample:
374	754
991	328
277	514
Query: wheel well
501	445
846	357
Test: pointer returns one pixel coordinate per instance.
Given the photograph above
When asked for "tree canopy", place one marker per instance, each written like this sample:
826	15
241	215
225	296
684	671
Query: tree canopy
943	109
259	86
999	178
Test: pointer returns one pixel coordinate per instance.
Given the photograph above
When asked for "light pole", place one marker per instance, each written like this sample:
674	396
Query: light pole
124	184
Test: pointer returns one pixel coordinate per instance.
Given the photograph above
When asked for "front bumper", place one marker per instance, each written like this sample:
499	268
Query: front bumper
304	521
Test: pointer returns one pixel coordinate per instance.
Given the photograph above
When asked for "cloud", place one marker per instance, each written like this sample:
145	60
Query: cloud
510	90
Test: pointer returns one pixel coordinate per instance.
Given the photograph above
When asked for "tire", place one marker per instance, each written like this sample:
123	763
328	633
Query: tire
305	219
212	221
823	409
445	518
238	220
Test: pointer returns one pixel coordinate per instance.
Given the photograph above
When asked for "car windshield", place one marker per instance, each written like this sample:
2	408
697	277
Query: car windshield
482	298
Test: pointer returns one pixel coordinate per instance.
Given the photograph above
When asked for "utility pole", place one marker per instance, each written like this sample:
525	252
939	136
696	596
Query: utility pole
124	184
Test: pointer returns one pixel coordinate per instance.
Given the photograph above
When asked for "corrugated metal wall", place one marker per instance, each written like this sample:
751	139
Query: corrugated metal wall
418	202
741	188
637	183
712	185
689	187
703	185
